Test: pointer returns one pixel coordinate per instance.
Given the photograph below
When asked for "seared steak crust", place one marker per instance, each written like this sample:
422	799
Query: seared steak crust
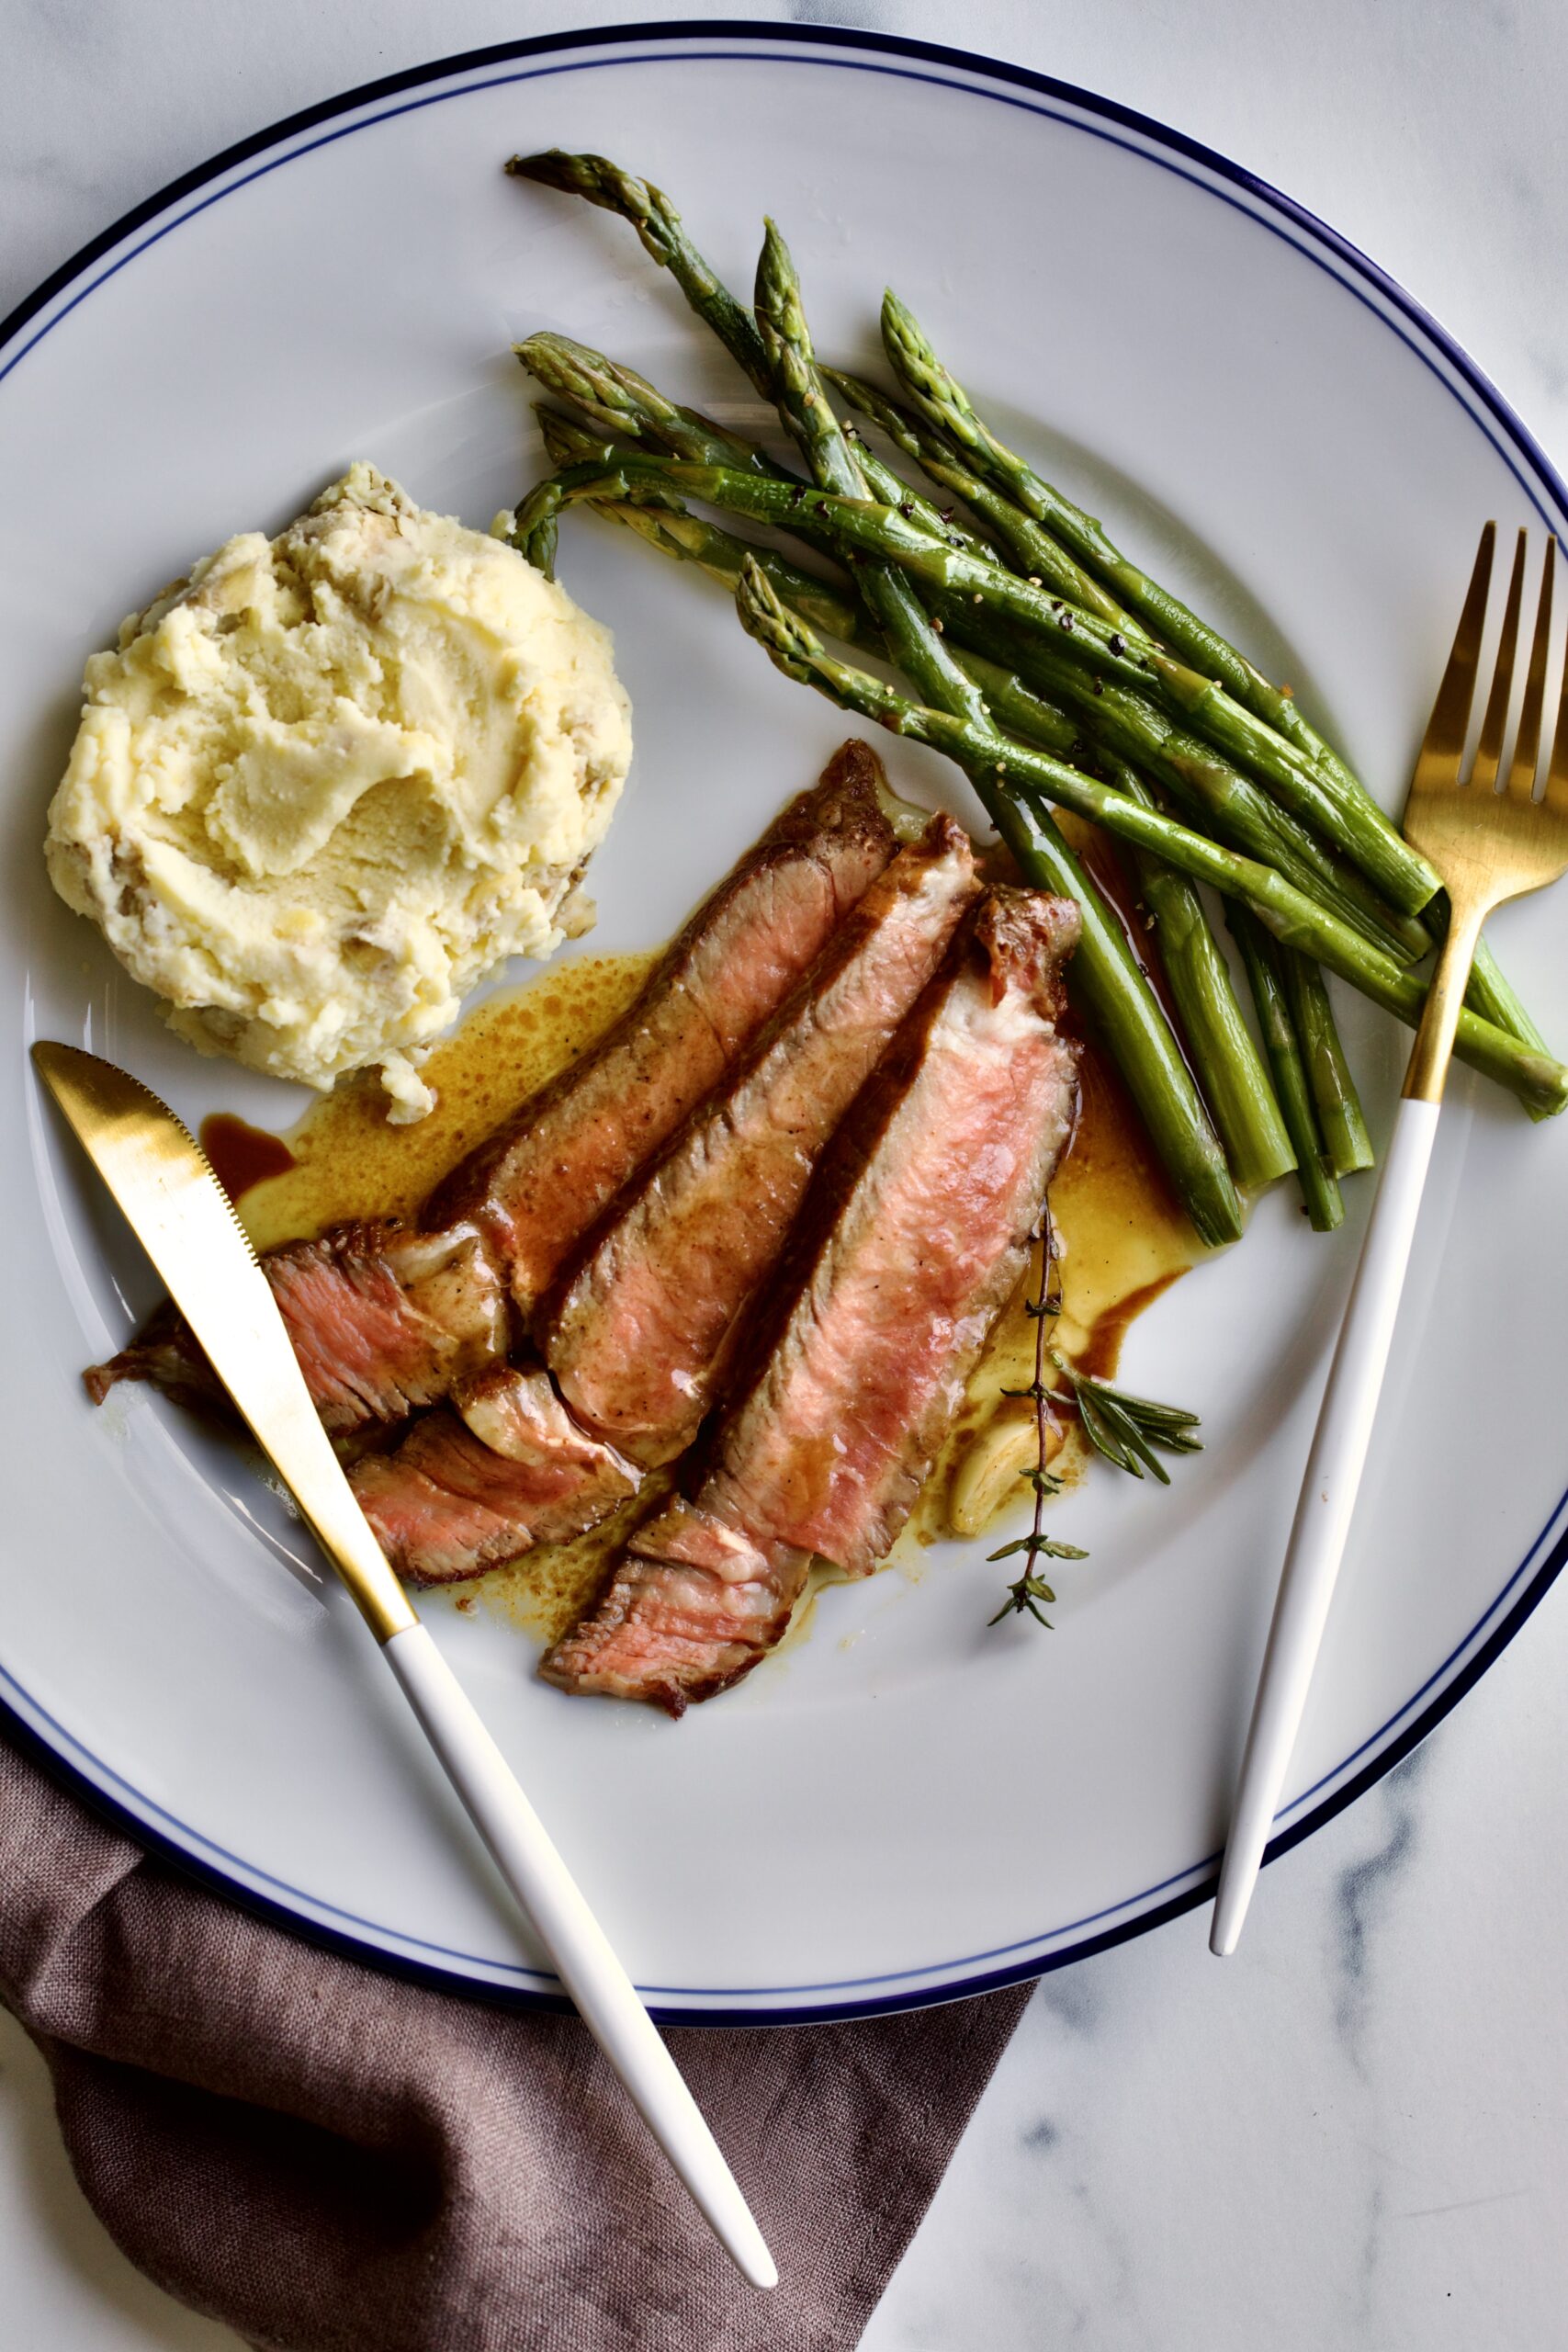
914	1235
638	1335
509	1468
535	1186
382	1322
685	1618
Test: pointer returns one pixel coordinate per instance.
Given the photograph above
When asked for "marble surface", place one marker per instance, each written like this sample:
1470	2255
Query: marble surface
1355	2133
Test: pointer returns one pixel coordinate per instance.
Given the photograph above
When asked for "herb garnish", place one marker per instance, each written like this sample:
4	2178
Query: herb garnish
1031	1588
1124	1429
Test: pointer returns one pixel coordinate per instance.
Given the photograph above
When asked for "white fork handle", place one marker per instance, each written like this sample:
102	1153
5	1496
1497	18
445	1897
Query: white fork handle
604	1993
1323	1514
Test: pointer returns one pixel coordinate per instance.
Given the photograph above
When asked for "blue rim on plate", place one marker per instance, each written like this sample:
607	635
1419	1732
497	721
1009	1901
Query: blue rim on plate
894	55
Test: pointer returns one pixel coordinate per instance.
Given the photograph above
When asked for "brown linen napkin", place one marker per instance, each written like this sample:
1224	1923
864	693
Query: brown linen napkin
331	2160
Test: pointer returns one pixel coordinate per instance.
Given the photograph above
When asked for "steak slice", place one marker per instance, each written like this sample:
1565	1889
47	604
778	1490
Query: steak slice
382	1321
509	1468
637	1336
538	1184
914	1236
688	1611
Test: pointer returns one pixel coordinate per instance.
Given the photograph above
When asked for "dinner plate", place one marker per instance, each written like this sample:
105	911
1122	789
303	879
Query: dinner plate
906	1804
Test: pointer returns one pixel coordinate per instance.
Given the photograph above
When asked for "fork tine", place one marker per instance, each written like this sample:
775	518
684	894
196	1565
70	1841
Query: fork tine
1449	722
1526	751
1556	791
1494	727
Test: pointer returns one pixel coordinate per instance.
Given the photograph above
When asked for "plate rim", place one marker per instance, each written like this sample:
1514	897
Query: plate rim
70	1764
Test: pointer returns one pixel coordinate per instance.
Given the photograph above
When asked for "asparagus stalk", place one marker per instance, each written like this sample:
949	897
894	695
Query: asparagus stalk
1133	728
1035	550
989	591
621	405
1263	958
808	418
890	489
665	239
1346	1143
1111	981
1115	998
663	235
944	402
986	754
1229	1069
1031	548
1235	1082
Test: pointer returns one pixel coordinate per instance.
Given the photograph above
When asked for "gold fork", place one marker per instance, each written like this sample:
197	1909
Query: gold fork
1491	839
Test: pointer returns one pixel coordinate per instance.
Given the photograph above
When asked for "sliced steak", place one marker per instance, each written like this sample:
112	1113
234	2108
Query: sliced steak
382	1321
509	1468
638	1335
509	1213
537	1186
914	1236
685	1615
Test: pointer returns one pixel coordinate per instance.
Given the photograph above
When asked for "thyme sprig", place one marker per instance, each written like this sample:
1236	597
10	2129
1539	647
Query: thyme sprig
1031	1588
1124	1429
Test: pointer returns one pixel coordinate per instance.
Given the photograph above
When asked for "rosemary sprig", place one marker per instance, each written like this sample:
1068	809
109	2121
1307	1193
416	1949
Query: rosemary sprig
1031	1588
1126	1429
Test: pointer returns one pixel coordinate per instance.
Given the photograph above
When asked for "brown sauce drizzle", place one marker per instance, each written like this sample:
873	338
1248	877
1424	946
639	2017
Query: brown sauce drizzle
243	1155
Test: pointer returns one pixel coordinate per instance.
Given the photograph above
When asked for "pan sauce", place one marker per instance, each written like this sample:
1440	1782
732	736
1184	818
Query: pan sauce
1121	1238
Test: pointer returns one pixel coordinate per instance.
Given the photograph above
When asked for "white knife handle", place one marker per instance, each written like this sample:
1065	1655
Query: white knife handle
1323	1514
597	1982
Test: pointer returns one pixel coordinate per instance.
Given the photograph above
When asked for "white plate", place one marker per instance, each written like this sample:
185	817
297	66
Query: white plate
906	1804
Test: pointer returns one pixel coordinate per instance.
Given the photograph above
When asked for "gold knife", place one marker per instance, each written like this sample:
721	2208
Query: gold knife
162	1179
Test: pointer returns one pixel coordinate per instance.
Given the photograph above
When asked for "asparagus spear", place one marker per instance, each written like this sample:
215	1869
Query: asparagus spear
1263	958
808	418
1111	981
665	239
944	402
1115	998
616	398
983	752
1235	1082
1229	1070
622	406
1346	1143
663	236
1133	728
888	536
1031	548
890	489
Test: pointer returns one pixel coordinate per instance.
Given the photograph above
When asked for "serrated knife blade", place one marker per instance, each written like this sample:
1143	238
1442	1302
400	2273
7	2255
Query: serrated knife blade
164	1183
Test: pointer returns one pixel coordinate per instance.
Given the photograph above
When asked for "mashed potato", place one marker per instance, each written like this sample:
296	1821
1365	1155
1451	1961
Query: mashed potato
325	786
